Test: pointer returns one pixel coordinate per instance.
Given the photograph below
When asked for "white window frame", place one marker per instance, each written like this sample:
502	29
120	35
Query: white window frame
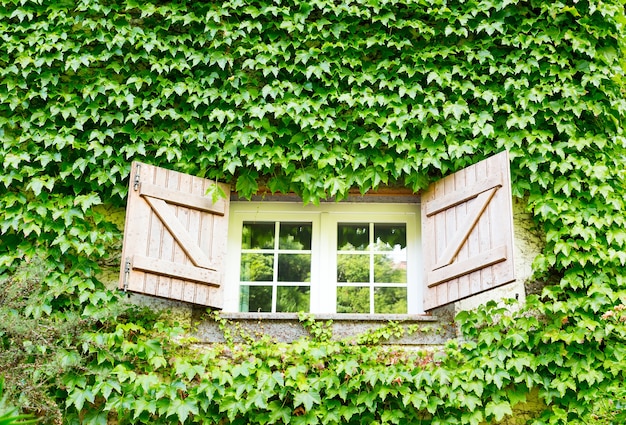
324	219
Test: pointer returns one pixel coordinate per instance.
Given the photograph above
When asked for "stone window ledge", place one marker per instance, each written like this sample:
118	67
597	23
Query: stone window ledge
286	327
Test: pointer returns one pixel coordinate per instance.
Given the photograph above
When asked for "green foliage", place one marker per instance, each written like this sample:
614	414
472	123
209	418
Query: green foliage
40	332
9	415
313	97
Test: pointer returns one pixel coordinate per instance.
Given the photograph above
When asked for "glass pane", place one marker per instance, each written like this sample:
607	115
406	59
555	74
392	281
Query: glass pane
390	300
390	268
353	268
295	236
255	298
353	299
353	237
390	237
293	299
294	267
257	267
257	235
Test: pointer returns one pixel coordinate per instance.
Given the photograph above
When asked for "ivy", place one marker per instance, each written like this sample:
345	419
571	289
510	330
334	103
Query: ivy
316	98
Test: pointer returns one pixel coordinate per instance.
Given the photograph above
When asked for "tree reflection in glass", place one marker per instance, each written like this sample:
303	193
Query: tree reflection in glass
257	235
255	298
389	269
390	237
390	300
293	298
353	268
353	299
353	236
296	236
294	267
257	267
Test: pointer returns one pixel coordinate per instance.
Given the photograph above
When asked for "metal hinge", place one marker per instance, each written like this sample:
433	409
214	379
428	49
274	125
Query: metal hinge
137	180
126	273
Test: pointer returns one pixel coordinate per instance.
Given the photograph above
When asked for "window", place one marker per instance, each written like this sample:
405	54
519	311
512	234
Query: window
332	258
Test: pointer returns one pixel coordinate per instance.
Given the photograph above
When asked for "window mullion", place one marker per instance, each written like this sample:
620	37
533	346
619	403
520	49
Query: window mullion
275	266
325	252
370	248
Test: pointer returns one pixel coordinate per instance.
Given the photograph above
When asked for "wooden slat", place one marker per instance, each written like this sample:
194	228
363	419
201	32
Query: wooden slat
465	228
463	180
202	203
181	183
176	270
480	261
479	239
449	219
463	195
179	233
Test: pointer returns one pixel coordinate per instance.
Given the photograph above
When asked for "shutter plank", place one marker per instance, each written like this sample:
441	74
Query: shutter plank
463	195
479	235
461	268
179	183
489	228
464	209
176	270
451	289
202	203
191	291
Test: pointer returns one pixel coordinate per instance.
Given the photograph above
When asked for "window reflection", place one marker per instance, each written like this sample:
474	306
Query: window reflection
390	300
257	235
353	299
353	237
256	298
257	267
389	268
295	236
353	268
390	237
292	299
294	267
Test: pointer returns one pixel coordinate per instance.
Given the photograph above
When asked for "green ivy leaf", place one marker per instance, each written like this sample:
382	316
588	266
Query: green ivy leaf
307	399
498	409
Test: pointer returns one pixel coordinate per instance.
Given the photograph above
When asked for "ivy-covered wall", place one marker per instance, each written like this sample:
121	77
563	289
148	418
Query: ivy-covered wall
314	97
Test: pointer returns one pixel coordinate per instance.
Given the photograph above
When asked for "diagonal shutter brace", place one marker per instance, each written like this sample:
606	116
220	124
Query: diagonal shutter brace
137	180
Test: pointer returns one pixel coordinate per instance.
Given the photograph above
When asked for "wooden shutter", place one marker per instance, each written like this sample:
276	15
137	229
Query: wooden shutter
467	231
174	237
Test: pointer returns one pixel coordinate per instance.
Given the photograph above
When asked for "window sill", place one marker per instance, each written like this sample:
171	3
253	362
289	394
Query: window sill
286	327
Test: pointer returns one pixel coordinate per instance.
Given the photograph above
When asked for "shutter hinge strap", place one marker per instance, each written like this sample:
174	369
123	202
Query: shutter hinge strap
126	273
137	180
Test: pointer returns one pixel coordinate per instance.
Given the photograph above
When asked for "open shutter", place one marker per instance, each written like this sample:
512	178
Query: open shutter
467	230
174	237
